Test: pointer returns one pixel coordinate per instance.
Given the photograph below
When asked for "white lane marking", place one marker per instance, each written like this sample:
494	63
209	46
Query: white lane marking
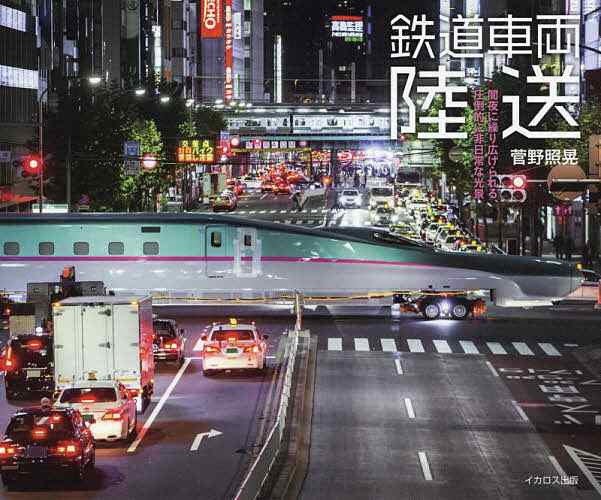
305	211
264	196
324	210
199	346
409	408
334	344
587	463
468	347
272	211
314	211
252	212
492	369
442	346
570	345
496	348
549	349
287	221
572	419
299	221
361	344
415	345
158	407
388	345
522	348
423	460
520	411
283	211
270	357
399	367
242	211
558	468
199	437
263	212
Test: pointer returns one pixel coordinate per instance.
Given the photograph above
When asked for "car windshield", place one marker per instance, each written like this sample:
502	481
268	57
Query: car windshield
381	191
225	335
39	427
89	395
163	329
350	193
32	351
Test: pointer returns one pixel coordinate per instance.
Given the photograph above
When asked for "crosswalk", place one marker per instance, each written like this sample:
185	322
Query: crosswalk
444	346
307	211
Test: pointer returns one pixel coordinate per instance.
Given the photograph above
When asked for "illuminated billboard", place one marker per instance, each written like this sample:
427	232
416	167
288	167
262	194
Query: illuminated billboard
349	28
211	23
229	52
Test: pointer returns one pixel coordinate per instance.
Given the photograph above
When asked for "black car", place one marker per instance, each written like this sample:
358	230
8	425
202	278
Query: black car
40	442
168	342
28	365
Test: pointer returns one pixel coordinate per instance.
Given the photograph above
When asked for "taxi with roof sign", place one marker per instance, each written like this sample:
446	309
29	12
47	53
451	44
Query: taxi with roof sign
233	346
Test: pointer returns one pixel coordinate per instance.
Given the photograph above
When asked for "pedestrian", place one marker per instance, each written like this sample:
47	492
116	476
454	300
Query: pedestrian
296	204
569	247
586	252
558	245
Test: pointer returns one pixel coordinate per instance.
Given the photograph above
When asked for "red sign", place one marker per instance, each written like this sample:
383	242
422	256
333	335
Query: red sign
211	25
229	52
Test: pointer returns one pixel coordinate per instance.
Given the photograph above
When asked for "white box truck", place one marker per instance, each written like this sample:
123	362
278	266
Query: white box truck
105	338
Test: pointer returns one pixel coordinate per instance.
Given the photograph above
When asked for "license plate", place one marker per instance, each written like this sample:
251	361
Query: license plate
231	350
36	452
34	373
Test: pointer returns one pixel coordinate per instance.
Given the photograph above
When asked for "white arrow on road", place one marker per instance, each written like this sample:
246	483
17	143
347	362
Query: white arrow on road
199	437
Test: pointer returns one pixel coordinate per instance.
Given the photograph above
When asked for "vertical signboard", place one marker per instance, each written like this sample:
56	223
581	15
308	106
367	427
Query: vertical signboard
229	52
211	22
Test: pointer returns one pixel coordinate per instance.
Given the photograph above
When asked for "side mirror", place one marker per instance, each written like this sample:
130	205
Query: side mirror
204	338
265	337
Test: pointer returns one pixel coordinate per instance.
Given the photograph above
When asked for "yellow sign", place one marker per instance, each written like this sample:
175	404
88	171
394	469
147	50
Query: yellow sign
196	151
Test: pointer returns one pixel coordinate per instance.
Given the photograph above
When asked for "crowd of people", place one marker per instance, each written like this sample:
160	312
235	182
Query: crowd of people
564	248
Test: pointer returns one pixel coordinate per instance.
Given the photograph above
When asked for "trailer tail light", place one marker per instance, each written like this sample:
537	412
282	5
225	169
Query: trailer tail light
252	348
115	414
66	449
209	348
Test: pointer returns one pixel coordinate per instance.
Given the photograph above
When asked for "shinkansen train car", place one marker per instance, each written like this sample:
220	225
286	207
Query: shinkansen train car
150	253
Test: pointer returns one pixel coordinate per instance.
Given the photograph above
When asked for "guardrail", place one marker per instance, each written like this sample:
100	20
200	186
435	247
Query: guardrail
259	470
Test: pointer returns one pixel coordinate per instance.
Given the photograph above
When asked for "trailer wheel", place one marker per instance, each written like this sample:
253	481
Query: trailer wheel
431	311
460	310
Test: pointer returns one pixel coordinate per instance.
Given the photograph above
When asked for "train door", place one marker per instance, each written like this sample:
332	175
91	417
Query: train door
247	253
219	260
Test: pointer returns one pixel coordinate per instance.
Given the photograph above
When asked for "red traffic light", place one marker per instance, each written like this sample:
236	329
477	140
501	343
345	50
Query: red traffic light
519	181
32	164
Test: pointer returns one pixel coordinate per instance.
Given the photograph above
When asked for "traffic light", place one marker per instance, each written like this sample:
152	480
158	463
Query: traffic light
32	164
511	188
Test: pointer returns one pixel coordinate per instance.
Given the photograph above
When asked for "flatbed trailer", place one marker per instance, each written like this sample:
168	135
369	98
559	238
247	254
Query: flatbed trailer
431	305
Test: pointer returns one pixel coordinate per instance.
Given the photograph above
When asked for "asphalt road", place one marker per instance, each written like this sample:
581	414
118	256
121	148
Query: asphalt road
237	405
495	408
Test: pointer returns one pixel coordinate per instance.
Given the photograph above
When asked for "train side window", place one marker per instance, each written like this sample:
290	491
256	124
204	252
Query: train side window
248	240
116	248
81	248
150	248
216	239
46	248
11	248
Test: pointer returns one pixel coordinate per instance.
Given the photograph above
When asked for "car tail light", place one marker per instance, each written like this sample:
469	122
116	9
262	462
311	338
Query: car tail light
34	344
252	348
66	449
9	450
9	364
39	433
172	345
87	400
209	348
115	414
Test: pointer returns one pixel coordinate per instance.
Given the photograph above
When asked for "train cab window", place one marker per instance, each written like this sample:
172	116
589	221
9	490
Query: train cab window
116	248
11	248
81	248
150	248
248	240
46	248
216	239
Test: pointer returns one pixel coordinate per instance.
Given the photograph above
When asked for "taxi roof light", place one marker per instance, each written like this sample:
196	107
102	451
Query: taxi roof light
233	321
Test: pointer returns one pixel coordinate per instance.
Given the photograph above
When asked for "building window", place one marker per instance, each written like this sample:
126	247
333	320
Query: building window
151	248
46	248
116	248
151	229
216	239
11	248
248	240
81	248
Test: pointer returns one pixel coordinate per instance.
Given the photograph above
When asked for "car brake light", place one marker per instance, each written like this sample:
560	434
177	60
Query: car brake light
34	344
8	450
209	348
112	415
87	400
66	448
172	345
251	348
39	433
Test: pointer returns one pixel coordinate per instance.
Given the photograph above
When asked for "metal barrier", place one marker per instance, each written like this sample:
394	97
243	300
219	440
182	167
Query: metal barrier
259	470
